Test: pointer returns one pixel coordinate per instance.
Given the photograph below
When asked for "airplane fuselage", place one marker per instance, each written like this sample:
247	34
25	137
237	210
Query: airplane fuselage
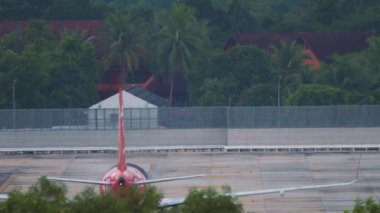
119	179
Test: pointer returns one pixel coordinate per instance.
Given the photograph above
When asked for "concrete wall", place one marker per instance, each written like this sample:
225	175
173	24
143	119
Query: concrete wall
172	137
93	138
304	136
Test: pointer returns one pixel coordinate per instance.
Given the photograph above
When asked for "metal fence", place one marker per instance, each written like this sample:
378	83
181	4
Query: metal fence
193	117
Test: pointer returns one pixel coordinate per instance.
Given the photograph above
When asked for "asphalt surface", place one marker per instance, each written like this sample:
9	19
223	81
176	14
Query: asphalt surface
241	171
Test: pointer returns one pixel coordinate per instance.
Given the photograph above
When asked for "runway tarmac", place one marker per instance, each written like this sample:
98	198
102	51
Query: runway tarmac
241	171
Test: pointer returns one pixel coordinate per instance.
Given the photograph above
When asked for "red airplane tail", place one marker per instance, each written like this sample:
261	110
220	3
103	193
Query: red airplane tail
138	175
121	164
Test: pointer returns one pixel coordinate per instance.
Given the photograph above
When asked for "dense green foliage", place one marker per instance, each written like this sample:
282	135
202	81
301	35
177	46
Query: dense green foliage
319	95
248	76
51	9
179	42
47	72
208	200
187	36
368	205
229	74
47	196
126	34
44	196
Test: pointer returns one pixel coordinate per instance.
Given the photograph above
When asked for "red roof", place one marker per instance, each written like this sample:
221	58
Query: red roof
90	26
10	26
326	43
322	45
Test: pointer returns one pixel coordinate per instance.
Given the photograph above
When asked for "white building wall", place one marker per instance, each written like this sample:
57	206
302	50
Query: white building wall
138	113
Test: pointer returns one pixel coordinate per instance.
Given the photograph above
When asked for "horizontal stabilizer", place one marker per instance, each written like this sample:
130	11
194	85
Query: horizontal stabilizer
168	179
137	182
97	182
167	202
283	190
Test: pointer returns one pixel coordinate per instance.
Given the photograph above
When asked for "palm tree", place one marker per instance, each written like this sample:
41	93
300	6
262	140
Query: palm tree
289	56
72	43
241	17
126	42
289	60
181	40
372	55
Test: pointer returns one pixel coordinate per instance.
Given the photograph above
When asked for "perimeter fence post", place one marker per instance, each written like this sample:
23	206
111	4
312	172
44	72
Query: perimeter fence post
227	124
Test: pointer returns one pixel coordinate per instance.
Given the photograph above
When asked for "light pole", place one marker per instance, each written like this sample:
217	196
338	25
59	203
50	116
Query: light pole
14	103
278	100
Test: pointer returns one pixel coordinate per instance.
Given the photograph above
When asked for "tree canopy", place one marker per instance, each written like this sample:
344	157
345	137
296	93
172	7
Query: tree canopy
49	196
52	9
368	205
180	41
126	32
183	37
228	75
45	71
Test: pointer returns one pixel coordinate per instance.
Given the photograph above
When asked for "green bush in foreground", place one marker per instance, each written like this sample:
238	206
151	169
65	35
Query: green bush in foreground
365	206
44	196
208	200
47	196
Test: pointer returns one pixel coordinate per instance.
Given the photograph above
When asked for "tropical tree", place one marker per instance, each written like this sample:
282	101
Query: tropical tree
289	64
49	72
8	59
223	79
50	196
23	58
126	37
23	9
218	92
70	43
129	199
208	200
356	72
345	15
241	17
180	41
372	55
258	95
31	75
319	95
37	33
346	72
73	72
44	196
217	19
52	9
368	205
74	10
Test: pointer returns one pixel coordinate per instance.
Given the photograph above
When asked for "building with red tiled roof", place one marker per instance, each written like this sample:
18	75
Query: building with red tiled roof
319	46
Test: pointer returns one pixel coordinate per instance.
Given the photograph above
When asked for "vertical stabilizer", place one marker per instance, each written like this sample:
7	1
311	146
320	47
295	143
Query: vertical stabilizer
121	165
